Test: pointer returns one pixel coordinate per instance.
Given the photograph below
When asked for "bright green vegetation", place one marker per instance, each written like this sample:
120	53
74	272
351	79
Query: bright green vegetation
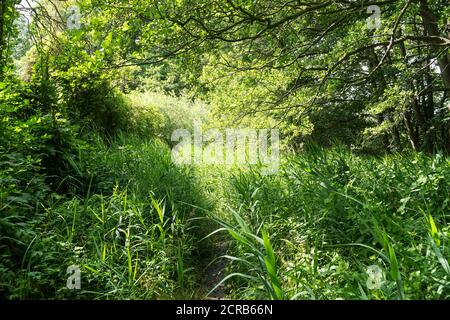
87	177
330	215
309	232
130	230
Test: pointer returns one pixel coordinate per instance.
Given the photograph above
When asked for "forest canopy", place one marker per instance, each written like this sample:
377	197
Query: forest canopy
374	73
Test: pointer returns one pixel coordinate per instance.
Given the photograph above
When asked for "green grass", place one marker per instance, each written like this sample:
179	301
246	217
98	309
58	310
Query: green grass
131	231
331	215
137	227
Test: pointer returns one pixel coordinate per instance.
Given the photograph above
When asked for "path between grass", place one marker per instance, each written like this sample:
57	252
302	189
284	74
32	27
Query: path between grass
214	270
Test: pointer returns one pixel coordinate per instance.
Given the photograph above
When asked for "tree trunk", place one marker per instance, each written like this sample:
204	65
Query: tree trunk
2	37
380	86
412	134
430	24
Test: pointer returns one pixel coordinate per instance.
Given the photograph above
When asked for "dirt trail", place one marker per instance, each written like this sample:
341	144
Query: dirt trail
215	272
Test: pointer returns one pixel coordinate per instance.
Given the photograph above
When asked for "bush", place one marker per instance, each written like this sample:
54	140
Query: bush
159	114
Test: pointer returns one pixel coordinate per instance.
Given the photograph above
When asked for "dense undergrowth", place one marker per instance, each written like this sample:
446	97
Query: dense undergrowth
129	230
331	216
113	203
